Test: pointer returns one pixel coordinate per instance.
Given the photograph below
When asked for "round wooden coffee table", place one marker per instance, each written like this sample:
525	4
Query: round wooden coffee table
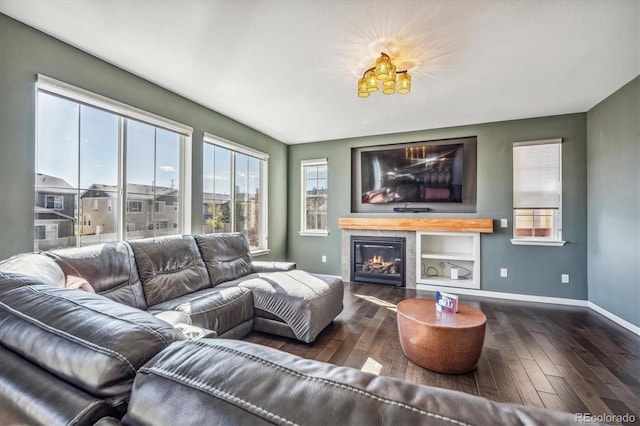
445	342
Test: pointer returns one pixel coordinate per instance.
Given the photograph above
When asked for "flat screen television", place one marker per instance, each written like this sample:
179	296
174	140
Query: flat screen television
436	174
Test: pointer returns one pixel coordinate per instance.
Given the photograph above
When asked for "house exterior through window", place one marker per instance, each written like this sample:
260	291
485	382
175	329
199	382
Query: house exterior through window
234	195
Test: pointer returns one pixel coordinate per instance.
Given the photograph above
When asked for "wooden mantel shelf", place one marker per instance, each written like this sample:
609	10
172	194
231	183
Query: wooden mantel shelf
416	224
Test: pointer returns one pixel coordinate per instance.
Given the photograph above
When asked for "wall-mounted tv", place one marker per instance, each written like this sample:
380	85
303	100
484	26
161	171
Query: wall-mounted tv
431	175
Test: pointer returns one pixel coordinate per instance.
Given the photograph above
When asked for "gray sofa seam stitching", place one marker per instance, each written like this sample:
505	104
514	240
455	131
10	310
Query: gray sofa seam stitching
326	381
217	392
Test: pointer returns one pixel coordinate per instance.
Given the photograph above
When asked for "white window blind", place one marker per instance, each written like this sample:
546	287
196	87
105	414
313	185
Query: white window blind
537	174
315	181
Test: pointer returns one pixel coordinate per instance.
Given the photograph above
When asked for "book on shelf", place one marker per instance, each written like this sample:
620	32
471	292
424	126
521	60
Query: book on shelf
446	302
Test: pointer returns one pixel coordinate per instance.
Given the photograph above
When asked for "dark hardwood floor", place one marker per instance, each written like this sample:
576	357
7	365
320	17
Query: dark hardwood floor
559	357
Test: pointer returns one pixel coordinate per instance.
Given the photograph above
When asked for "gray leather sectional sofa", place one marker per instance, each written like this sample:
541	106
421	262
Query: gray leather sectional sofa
92	336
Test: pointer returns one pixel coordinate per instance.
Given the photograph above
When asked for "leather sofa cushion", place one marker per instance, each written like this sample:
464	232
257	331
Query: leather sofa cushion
169	267
83	338
215	309
32	396
37	265
109	268
236	382
227	256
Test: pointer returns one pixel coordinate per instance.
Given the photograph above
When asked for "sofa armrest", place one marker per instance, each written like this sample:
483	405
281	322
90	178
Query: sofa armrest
266	266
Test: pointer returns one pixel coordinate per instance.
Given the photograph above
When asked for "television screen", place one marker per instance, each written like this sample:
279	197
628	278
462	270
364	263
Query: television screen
425	172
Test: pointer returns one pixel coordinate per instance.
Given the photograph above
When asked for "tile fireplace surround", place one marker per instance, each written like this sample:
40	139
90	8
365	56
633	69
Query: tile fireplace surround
401	227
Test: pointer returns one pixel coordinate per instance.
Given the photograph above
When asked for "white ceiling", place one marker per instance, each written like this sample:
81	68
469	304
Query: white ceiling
289	68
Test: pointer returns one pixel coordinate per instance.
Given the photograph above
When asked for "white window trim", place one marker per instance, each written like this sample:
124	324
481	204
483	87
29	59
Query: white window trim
233	146
264	183
76	94
303	197
537	241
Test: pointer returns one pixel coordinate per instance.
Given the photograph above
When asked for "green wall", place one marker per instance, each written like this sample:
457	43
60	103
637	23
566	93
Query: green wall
24	52
613	178
532	270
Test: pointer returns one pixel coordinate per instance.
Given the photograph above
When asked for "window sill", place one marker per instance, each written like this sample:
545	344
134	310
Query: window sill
537	242
313	233
260	252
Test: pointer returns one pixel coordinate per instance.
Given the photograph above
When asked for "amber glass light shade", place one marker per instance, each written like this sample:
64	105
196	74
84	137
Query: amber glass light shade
389	85
404	83
362	88
383	63
372	81
392	74
384	71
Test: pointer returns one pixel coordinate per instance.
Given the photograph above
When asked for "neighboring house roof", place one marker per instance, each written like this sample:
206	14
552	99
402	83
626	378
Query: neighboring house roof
134	191
52	184
209	197
44	213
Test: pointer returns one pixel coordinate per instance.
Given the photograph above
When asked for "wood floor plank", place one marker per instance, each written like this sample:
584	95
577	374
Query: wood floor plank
537	376
622	392
609	357
541	357
467	383
556	351
489	393
567	395
484	376
520	350
584	391
620	410
366	338
503	376
552	401
526	389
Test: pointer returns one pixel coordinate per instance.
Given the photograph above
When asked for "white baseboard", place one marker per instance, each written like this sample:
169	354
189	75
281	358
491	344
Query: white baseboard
541	299
624	323
509	296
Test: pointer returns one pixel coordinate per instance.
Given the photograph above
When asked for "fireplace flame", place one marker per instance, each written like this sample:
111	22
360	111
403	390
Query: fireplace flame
377	264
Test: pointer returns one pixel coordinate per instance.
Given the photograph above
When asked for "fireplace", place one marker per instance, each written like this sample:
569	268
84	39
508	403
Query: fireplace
378	260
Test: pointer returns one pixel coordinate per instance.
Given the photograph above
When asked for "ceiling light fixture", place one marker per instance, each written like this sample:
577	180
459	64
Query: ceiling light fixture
385	72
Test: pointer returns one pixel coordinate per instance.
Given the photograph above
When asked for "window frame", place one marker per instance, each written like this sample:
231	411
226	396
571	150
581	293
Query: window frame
553	240
263	157
304	231
136	210
124	112
54	198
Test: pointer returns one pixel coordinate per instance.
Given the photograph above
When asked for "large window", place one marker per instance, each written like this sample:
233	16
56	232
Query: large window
234	181
103	169
314	197
537	192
